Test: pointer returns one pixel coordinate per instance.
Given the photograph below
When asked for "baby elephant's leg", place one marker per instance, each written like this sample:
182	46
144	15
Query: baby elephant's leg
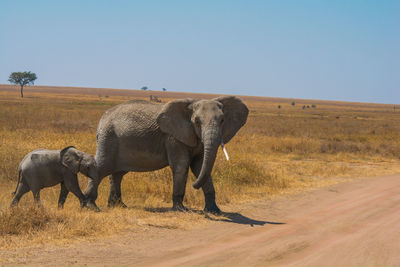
21	190
36	196
72	185
63	196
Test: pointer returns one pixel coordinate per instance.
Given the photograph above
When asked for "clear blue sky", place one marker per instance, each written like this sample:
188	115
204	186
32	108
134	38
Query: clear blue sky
337	50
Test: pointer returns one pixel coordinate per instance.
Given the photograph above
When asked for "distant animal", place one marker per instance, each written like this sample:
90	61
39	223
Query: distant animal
44	168
154	98
142	136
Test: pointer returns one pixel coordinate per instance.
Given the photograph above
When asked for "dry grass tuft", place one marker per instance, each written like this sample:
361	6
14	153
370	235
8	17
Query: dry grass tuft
34	220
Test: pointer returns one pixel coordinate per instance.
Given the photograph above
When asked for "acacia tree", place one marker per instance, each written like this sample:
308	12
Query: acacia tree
22	78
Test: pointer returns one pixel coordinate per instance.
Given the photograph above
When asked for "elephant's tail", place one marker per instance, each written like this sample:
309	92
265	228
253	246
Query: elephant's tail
19	180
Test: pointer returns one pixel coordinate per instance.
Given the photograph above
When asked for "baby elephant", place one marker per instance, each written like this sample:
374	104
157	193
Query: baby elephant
44	168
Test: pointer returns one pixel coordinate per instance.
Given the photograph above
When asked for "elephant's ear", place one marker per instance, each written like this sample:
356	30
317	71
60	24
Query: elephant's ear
235	116
175	119
71	158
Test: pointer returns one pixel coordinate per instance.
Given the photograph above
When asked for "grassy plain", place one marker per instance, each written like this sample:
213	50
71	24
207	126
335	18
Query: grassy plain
279	150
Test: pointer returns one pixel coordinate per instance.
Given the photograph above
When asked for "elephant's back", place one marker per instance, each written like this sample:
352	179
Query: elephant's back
38	155
137	116
41	161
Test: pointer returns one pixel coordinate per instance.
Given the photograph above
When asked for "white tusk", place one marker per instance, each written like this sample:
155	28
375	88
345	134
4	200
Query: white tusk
225	152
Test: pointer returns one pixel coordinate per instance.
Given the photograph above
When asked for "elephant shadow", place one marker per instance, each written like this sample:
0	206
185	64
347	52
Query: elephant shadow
230	217
235	217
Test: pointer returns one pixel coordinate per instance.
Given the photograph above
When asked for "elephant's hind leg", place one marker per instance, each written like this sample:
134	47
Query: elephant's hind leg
21	190
115	199
63	196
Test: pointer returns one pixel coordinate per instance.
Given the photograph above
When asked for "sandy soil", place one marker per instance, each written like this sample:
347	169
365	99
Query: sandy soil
350	224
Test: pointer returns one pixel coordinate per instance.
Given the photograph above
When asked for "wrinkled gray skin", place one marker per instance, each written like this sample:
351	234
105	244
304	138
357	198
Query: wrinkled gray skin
140	136
44	168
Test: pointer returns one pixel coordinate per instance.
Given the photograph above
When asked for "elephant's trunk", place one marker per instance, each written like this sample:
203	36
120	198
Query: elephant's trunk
211	141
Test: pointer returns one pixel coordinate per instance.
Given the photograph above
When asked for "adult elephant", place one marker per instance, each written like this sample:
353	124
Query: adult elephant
141	136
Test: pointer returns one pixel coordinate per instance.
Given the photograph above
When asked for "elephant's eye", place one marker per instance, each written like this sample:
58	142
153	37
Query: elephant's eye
197	121
222	121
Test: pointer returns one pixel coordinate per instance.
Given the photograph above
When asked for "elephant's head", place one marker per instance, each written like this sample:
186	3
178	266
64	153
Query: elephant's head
78	161
210	122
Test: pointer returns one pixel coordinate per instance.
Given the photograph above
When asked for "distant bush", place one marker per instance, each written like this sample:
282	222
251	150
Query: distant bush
22	79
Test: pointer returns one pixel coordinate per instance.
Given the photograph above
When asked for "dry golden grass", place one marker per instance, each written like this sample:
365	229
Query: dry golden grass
278	151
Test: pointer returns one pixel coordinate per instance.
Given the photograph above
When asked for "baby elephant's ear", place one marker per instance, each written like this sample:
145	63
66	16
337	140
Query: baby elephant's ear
71	158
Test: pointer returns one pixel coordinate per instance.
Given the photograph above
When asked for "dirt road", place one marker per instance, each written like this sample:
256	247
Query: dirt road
350	224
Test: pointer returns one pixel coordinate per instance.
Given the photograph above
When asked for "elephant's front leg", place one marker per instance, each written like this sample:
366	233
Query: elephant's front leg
114	199
91	194
209	196
179	161
180	173
72	185
63	195
208	188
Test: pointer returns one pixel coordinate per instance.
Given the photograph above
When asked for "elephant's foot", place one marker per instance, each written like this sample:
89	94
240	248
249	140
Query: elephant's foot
116	203
211	206
177	204
91	205
179	207
213	209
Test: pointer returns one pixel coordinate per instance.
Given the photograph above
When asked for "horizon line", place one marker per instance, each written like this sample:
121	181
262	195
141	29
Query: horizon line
186	92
